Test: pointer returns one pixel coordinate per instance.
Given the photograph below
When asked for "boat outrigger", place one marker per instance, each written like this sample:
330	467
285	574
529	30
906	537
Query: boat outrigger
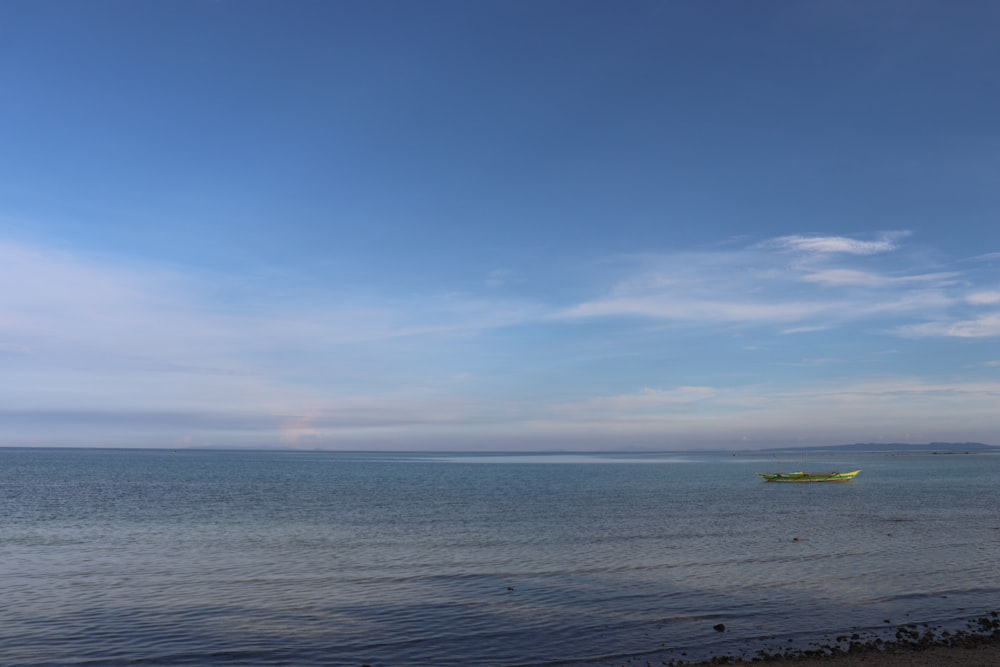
809	476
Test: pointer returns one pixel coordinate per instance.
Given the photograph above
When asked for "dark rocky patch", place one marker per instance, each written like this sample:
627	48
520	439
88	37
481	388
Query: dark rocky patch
909	637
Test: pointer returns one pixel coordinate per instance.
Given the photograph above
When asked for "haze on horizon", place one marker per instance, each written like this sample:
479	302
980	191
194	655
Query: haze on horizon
499	225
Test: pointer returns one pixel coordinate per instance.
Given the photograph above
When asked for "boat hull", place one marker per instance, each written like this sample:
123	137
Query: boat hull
800	477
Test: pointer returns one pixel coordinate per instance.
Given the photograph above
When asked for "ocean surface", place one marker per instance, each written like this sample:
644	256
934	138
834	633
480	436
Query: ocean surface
145	557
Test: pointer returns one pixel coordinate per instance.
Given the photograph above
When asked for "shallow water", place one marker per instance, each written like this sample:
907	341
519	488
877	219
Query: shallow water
113	557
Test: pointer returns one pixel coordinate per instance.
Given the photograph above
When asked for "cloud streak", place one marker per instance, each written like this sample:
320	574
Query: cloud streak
98	352
827	245
856	278
758	286
671	307
646	400
104	344
983	326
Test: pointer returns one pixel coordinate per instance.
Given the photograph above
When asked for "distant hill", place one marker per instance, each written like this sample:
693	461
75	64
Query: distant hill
901	447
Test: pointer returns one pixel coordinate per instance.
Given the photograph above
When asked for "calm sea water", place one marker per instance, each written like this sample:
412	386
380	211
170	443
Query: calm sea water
274	558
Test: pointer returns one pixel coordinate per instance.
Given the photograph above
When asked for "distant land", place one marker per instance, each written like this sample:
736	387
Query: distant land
899	447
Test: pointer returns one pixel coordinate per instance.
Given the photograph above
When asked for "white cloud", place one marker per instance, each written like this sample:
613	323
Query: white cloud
665	307
856	278
52	300
798	330
839	244
986	298
902	303
758	286
99	337
984	326
113	346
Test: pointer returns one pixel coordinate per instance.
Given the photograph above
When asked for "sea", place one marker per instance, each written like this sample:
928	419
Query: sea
156	557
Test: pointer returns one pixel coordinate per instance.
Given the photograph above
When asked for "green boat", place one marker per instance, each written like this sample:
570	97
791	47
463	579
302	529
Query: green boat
809	476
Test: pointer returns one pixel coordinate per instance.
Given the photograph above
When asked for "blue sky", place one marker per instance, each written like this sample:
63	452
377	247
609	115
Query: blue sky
499	225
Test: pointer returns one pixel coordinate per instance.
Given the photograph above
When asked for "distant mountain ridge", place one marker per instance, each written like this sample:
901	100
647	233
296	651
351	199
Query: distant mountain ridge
901	447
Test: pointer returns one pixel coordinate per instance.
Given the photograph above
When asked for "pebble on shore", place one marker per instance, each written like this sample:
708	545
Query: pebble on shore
915	645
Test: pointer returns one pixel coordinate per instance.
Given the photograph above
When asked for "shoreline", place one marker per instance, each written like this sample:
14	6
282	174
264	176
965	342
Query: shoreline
980	654
911	645
915	645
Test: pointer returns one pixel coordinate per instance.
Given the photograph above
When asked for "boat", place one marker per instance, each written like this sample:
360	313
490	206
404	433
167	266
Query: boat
809	476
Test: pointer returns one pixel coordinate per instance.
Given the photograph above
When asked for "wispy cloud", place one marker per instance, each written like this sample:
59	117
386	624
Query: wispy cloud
50	299
499	277
814	363
834	281
986	298
856	278
92	345
890	409
983	326
646	400
799	330
114	339
674	307
886	242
